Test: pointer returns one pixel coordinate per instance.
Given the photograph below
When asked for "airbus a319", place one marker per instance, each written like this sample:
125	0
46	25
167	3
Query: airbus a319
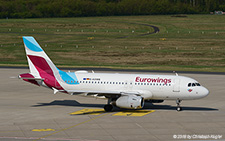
129	91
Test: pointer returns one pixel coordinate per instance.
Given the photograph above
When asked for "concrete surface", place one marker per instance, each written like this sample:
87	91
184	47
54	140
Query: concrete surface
25	107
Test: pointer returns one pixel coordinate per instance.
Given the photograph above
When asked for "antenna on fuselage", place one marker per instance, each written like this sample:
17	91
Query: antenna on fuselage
175	73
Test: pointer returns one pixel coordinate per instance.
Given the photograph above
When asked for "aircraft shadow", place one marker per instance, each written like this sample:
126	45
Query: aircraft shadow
169	107
68	103
148	106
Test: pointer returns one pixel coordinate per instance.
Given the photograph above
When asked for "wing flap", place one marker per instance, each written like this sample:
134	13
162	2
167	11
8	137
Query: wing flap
102	93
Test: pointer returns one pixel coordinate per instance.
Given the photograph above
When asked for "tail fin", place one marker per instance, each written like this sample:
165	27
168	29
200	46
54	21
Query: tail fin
41	66
37	59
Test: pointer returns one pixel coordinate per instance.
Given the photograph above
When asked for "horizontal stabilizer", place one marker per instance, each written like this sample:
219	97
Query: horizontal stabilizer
28	76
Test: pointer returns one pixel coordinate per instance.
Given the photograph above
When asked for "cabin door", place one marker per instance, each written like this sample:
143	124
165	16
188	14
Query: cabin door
176	86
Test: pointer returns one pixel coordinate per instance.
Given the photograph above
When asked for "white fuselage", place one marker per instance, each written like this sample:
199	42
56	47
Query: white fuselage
159	87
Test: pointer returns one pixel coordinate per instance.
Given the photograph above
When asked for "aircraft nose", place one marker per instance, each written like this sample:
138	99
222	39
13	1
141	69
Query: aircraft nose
204	92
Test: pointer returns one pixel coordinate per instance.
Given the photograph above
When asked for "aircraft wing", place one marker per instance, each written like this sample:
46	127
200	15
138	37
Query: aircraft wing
107	94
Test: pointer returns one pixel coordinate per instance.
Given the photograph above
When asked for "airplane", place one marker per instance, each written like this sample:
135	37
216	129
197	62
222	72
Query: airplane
128	91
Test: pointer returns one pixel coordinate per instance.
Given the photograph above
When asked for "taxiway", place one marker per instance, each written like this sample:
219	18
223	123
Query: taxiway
29	112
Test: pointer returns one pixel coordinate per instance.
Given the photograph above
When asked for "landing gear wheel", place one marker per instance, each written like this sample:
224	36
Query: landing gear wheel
179	109
178	105
108	108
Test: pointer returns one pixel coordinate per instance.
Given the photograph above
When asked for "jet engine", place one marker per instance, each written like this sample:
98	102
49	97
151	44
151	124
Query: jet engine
130	102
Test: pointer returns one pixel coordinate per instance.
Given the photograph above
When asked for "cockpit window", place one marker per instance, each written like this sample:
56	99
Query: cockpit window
189	84
197	84
193	84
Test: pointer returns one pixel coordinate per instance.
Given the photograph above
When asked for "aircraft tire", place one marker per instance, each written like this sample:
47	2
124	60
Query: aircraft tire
108	108
179	109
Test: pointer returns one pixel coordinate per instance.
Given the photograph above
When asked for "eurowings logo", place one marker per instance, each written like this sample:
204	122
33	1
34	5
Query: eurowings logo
190	90
149	80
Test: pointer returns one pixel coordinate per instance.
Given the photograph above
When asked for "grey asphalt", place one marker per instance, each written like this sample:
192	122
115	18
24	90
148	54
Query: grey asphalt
25	107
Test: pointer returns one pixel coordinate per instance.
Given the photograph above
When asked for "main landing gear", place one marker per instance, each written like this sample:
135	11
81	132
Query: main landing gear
108	107
178	105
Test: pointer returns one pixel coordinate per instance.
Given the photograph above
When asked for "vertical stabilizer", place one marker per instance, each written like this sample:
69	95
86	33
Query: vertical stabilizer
37	59
41	66
42	69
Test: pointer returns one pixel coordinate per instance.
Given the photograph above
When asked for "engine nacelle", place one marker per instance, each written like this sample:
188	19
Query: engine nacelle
130	102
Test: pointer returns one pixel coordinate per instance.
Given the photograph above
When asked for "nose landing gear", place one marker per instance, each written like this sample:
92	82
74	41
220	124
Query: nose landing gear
178	105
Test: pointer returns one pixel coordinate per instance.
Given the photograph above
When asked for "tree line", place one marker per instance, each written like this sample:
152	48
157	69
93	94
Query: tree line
80	8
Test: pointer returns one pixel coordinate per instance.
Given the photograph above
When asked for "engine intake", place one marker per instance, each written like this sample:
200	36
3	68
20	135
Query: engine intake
130	102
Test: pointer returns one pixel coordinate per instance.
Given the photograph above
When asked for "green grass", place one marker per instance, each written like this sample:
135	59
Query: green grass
194	43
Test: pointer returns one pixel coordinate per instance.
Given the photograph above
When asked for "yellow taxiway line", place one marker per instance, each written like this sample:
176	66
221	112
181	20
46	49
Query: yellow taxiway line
135	113
42	130
89	112
100	113
72	126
